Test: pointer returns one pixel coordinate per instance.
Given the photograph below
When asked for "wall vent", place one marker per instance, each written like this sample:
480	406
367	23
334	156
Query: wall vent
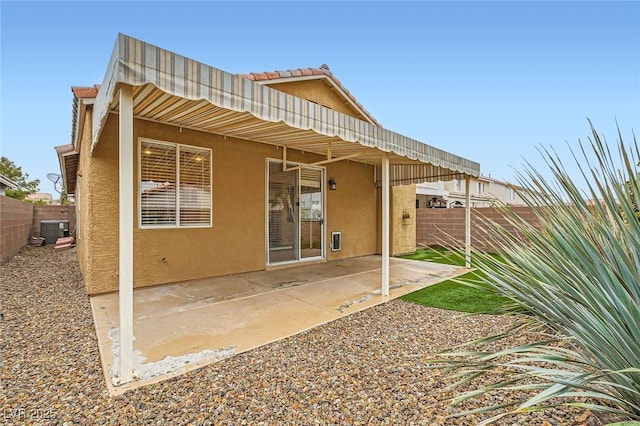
336	241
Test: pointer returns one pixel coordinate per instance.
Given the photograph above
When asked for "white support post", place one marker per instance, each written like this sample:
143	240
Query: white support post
125	219
284	158
467	221
385	224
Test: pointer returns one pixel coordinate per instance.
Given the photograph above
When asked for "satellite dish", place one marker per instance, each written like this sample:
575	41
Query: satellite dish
56	179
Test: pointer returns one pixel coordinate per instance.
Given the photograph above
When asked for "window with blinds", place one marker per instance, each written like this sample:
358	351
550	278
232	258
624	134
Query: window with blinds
175	185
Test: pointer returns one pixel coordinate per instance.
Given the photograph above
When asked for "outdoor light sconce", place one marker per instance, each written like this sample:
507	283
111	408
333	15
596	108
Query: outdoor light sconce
405	215
332	184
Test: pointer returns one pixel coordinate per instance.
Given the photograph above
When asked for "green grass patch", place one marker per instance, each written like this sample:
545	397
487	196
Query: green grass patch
450	294
438	255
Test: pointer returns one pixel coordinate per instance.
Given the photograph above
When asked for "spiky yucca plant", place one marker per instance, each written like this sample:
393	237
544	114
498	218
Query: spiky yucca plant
576	276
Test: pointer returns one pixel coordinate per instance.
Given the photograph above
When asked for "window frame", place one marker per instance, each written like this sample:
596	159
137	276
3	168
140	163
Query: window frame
177	146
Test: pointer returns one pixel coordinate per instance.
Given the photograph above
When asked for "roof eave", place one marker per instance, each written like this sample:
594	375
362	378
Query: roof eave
68	160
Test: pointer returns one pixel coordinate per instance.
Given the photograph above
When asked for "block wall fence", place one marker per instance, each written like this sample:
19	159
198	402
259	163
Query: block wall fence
434	227
437	227
19	221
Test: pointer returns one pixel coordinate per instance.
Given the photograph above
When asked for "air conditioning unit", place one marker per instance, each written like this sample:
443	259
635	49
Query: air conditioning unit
336	241
51	230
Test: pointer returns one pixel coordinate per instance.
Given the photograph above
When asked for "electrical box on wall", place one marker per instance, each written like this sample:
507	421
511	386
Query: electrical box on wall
336	241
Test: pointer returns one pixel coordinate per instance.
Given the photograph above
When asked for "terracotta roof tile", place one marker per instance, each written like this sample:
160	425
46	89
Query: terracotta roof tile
85	92
260	76
305	72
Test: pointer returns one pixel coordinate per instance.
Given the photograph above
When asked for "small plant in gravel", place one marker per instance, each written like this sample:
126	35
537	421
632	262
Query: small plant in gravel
575	280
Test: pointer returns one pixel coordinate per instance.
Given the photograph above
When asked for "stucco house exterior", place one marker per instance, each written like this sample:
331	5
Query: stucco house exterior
485	192
6	183
182	171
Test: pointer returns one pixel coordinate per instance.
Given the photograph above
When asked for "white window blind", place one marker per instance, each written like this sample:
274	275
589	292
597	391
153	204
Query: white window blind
195	187
165	167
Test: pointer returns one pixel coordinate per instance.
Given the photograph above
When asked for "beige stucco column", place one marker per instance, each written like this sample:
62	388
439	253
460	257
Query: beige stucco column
126	213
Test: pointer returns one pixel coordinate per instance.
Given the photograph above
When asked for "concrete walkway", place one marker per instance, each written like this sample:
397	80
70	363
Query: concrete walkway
179	327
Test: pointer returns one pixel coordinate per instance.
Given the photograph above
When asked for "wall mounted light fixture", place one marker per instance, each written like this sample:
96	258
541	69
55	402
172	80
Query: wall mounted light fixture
332	184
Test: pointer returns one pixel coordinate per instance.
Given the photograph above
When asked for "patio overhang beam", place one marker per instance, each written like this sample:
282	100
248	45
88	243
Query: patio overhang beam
425	178
316	163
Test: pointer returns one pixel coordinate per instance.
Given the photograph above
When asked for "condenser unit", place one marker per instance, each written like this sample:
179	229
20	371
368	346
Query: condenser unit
51	230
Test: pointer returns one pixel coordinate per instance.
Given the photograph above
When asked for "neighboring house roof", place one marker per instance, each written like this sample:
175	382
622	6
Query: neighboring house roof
505	183
7	183
322	72
44	196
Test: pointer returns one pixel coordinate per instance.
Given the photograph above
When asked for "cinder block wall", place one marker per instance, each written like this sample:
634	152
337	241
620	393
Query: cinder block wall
445	227
19	221
16	218
43	212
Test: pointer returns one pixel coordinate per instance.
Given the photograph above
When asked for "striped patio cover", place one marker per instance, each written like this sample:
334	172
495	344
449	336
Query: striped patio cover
137	63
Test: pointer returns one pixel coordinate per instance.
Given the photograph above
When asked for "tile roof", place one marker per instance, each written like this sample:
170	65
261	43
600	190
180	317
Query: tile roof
85	92
323	70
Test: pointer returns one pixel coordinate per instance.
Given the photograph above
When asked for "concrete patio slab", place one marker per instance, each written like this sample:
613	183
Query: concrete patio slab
183	326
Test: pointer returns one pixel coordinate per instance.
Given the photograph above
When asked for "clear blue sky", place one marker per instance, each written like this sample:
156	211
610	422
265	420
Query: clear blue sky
490	81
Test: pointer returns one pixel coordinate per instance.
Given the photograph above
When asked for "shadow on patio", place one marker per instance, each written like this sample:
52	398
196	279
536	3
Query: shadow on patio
182	326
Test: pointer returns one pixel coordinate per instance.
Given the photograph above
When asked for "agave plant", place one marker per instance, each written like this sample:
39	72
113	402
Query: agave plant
576	276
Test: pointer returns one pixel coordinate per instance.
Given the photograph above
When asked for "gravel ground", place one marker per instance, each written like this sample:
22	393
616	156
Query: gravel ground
368	368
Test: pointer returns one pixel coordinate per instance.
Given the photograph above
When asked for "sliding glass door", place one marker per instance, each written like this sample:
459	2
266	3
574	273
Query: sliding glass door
311	217
295	213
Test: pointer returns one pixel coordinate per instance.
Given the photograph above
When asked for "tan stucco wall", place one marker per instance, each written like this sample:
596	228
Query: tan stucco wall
84	226
320	92
403	231
236	242
351	209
